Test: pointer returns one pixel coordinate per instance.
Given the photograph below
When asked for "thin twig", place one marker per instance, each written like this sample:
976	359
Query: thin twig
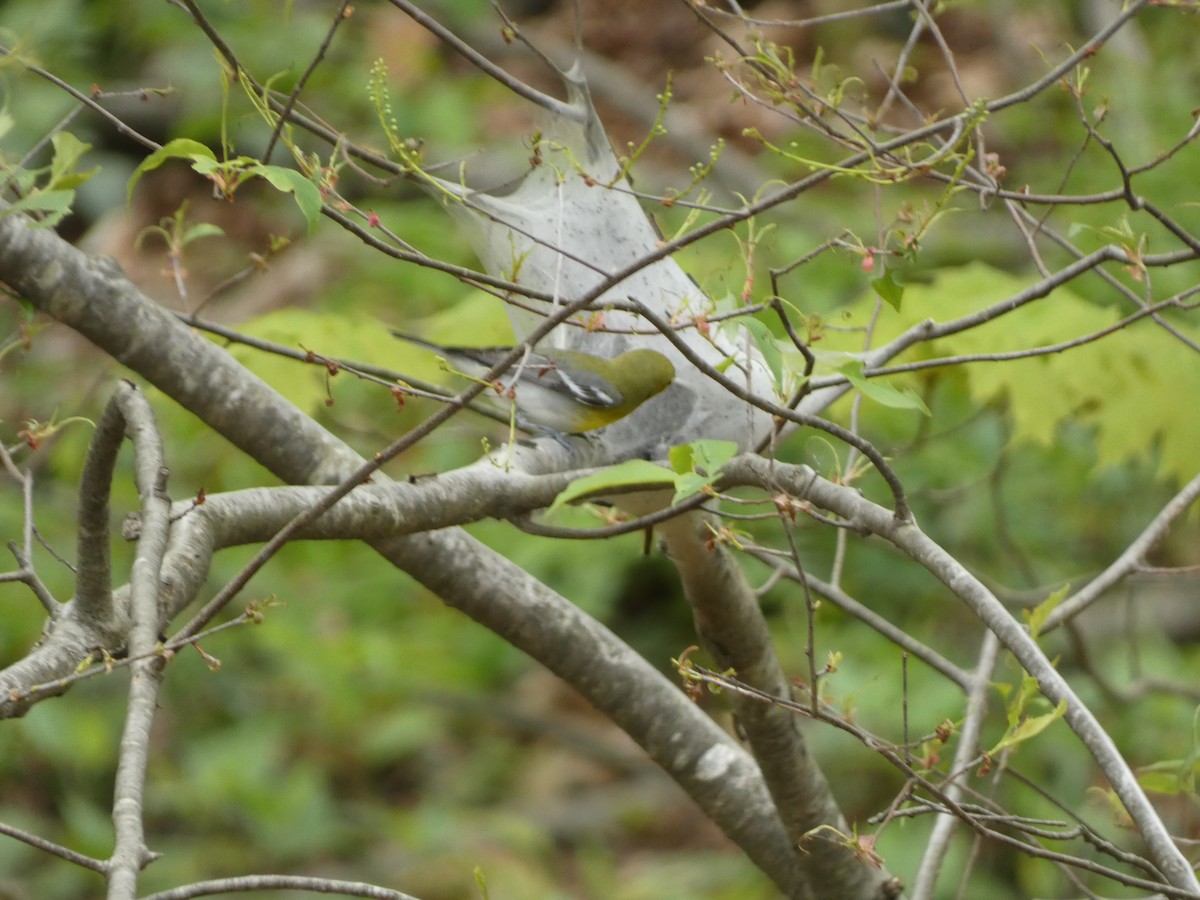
342	14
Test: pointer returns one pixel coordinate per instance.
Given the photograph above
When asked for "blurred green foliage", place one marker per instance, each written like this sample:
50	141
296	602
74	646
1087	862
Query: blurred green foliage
363	730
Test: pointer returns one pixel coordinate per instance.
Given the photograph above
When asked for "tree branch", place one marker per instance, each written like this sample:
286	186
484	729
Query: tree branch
130	853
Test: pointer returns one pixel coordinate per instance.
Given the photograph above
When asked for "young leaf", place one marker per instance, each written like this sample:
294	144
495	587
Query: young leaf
180	148
1029	727
891	293
308	196
698	465
632	472
52	204
1037	616
767	346
881	393
707	456
201	230
67	151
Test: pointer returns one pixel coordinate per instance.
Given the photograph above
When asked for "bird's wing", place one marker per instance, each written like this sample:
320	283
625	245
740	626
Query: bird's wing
584	387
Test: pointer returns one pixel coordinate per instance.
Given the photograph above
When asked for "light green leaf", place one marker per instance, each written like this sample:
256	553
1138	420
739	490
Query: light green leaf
330	333
1166	782
202	230
1029	727
881	393
1170	776
53	205
698	465
891	293
1020	700
1124	386
308	196
632	472
688	484
1037	616
711	456
180	148
205	166
706	456
67	151
767	346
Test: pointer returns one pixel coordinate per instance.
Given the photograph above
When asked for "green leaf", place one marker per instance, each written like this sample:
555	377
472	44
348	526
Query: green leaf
329	333
308	196
1037	616
53	198
52	204
681	458
1164	782
74	179
706	456
206	166
1020	700
698	465
1170	776
891	293
1123	387
711	456
632	472
1029	727
67	151
882	393
202	230
689	484
180	148
767	346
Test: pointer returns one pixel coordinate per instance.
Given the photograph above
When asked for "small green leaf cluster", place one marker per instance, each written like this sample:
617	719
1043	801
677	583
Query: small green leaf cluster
47	193
229	174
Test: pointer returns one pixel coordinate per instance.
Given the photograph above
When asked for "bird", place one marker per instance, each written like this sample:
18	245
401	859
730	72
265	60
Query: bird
565	392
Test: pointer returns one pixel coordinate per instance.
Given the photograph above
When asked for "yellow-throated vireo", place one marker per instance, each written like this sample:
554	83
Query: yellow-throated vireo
565	391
